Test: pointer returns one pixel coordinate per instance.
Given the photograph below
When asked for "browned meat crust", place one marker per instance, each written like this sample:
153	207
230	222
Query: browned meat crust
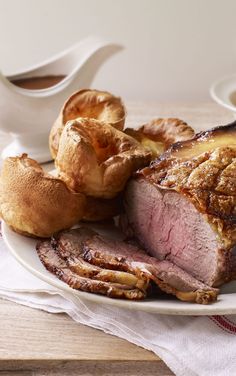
220	136
203	169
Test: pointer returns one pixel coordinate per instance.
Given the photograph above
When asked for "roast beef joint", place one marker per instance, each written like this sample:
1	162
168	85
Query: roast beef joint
179	219
183	207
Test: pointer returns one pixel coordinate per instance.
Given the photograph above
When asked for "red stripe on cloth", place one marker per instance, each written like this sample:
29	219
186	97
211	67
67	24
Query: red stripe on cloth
230	321
224	323
217	323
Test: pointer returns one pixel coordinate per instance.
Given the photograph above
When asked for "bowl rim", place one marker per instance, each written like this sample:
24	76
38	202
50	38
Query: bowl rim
216	98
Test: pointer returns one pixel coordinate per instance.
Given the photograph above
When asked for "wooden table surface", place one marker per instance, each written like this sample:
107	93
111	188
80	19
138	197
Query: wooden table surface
33	342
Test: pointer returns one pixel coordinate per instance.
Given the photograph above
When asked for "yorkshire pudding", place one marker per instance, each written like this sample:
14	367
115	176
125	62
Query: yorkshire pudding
33	202
96	159
94	104
159	134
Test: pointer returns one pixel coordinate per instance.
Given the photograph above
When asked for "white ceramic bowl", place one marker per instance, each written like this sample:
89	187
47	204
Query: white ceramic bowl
223	92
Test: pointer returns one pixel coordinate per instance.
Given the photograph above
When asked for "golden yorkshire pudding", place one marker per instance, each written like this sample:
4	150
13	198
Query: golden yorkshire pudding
99	209
159	134
35	203
94	104
96	159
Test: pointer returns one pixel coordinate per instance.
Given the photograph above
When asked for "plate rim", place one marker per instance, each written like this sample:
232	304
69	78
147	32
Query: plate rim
192	309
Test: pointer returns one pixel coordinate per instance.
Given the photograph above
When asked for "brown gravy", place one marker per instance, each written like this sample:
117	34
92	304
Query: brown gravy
233	98
37	83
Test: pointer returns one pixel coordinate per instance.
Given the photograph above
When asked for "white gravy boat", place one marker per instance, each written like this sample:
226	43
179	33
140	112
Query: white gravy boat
27	114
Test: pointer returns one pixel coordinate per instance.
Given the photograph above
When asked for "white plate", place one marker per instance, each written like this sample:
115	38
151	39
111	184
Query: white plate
23	249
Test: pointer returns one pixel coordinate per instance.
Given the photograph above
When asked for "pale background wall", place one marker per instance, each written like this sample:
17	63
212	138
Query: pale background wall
174	48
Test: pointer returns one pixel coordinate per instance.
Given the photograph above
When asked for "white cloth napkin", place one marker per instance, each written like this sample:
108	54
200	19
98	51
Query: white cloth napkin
190	346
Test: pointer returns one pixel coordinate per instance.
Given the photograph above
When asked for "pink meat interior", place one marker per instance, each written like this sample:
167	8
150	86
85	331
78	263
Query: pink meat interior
169	226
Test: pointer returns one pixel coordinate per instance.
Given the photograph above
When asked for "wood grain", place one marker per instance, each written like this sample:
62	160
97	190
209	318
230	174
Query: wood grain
33	342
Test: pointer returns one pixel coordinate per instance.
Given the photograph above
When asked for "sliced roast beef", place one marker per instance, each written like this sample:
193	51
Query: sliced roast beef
70	247
183	207
58	266
98	257
69	243
167	276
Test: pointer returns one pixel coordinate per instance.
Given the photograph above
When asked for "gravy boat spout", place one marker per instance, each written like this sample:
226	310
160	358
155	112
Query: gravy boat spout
31	100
